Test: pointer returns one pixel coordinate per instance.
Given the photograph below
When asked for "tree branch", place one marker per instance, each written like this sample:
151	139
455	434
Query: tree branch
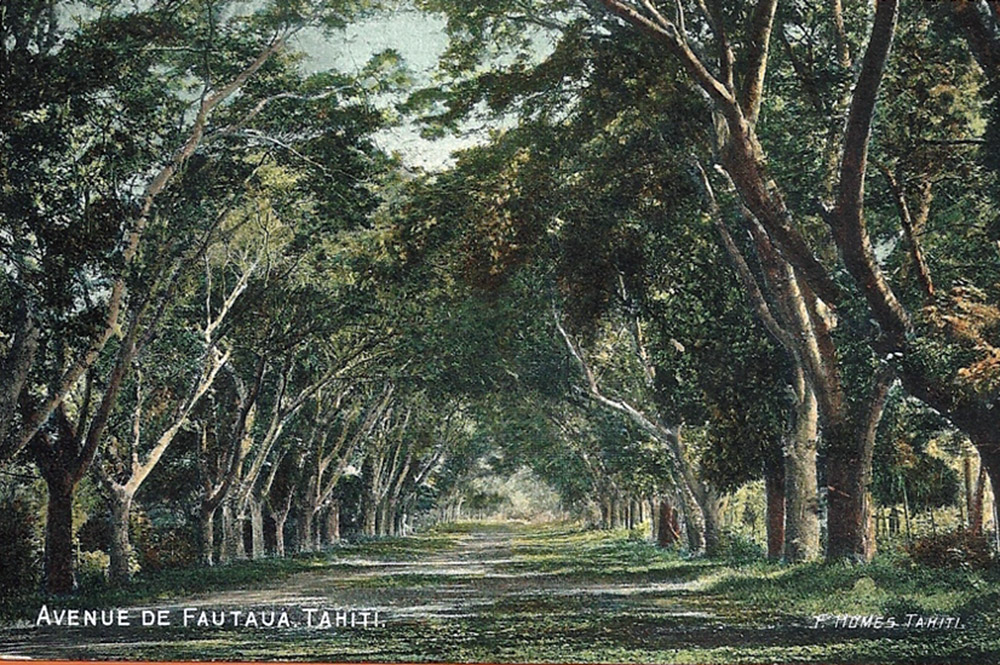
982	41
760	38
751	288
667	33
156	186
910	230
847	220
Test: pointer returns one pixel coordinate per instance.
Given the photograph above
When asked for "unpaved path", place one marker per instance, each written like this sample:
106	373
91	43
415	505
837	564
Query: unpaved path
497	593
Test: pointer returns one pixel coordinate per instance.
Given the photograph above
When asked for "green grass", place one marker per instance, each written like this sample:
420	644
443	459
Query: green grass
168	584
555	593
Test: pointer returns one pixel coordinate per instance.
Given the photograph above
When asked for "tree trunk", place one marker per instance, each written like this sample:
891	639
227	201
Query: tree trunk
333	523
711	514
906	510
698	499
774	489
967	482
371	518
257	528
121	509
279	534
390	518
850	445
668	532
59	578
989	459
802	523
207	523
849	515
231	547
306	530
382	519
239	525
976	510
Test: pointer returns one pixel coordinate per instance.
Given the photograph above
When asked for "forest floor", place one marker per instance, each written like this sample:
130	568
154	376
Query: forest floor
538	593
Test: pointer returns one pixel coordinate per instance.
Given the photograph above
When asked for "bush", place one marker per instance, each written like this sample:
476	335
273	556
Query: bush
168	548
95	533
953	549
20	548
738	548
92	568
638	534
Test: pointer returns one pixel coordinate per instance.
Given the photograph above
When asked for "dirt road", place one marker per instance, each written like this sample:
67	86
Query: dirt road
479	593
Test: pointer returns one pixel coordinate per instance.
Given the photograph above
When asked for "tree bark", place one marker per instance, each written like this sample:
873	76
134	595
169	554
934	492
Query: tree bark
207	529
257	528
967	482
390	518
382	519
233	547
668	531
713	520
59	577
774	489
802	524
989	459
306	530
850	531
121	509
369	510
849	507
848	476
333	523
279	533
976	512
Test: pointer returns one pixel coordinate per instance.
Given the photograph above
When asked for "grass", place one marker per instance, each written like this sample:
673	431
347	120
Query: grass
167	584
555	593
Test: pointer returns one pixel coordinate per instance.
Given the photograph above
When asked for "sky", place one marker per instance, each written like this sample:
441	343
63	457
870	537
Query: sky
420	39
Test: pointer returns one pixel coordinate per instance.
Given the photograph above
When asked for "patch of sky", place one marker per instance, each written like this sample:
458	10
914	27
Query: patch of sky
420	39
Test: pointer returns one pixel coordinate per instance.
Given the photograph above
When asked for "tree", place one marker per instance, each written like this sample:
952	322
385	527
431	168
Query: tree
779	190
87	294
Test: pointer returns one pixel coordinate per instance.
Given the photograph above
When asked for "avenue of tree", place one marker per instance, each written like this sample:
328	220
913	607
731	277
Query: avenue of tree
704	243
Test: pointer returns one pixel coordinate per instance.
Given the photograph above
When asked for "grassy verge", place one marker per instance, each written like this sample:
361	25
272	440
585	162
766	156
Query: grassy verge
167	584
248	574
555	593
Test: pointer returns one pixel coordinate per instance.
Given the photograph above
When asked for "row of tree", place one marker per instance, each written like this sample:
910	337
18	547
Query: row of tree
666	277
193	277
645	135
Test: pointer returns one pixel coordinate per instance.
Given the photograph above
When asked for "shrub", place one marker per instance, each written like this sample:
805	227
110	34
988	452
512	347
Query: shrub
95	533
20	548
92	568
168	548
952	549
738	548
638	534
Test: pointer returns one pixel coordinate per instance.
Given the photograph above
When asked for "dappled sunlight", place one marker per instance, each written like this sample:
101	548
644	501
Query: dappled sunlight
576	594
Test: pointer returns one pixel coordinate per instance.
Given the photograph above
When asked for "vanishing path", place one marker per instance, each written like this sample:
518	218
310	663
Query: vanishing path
488	593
